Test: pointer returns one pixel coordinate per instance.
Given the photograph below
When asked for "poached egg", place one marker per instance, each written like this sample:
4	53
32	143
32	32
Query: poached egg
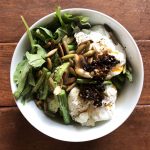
101	42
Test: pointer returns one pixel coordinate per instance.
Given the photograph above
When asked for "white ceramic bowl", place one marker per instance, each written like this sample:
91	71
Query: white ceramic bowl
125	104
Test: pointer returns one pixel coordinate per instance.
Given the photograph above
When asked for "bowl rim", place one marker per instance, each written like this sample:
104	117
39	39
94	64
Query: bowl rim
140	62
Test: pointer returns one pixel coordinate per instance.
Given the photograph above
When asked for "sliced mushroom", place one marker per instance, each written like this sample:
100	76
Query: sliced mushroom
61	49
65	45
49	63
67	57
71	62
80	48
89	53
78	68
90	59
52	52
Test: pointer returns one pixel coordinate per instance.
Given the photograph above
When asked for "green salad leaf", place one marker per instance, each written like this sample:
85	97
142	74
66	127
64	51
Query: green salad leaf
18	71
35	60
43	34
22	77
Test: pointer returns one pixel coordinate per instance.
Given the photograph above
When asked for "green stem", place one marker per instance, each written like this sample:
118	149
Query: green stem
28	32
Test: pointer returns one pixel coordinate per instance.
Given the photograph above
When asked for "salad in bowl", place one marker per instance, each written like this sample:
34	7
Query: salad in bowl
73	70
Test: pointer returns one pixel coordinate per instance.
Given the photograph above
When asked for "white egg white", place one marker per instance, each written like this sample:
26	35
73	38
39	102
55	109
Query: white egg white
85	113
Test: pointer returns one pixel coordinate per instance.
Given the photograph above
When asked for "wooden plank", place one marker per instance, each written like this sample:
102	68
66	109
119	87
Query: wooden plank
6	50
144	49
134	15
17	133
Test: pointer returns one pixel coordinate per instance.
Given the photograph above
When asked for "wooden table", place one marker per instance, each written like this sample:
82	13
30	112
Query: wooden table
15	132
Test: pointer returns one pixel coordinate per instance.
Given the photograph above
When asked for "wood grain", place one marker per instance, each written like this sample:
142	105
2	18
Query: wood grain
17	133
134	15
6	51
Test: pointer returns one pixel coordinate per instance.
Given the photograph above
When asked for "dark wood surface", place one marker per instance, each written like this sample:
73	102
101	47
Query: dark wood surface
15	132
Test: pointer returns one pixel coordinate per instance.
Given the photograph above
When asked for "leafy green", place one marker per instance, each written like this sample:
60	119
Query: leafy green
128	72
119	81
129	75
59	34
19	70
43	34
22	76
58	14
36	60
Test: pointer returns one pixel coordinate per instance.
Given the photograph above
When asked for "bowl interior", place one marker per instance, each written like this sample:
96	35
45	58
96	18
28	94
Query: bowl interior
126	101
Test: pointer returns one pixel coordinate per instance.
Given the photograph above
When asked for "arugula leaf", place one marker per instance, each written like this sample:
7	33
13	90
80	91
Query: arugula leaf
18	71
35	60
22	79
40	50
75	27
58	14
59	34
43	34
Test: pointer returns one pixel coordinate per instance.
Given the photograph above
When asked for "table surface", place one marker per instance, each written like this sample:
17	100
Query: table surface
15	132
